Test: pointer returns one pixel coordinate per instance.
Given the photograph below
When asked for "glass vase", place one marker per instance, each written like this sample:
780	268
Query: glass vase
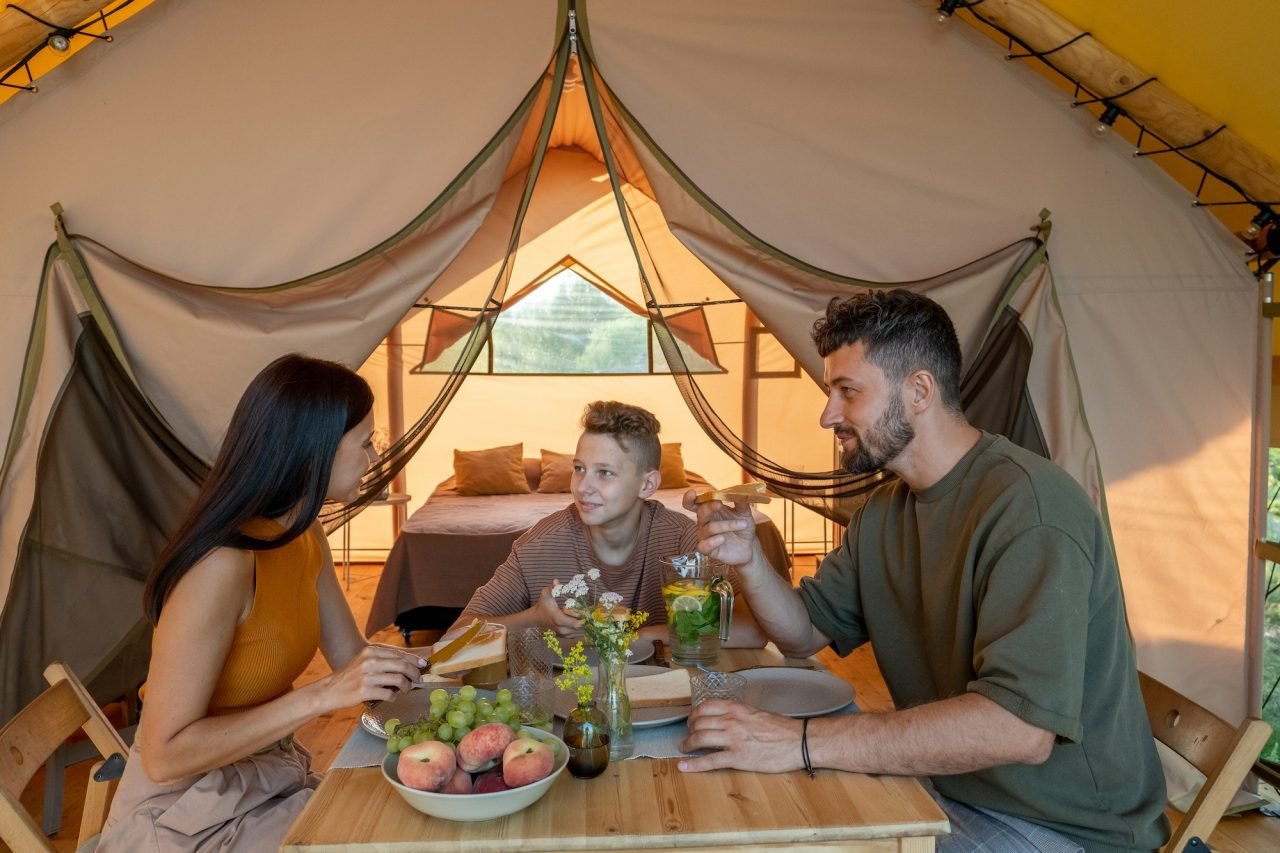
612	701
587	735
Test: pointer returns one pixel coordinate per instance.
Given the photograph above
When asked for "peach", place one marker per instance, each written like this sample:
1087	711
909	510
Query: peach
491	782
525	761
482	745
426	766
459	783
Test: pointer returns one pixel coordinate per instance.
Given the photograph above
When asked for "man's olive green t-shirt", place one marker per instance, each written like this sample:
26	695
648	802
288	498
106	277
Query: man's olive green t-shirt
1000	580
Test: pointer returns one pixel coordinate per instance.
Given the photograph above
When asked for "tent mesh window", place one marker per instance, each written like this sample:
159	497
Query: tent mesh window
568	324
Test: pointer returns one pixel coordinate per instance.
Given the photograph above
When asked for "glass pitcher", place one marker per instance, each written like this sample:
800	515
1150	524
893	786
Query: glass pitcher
699	602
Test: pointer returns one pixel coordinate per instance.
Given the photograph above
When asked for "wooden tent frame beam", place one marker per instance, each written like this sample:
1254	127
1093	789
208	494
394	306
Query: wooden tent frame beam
1155	106
20	34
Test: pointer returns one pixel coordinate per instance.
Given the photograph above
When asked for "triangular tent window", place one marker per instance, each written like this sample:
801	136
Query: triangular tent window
568	321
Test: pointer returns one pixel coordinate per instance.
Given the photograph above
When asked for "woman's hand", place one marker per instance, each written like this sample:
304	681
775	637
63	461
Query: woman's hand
374	674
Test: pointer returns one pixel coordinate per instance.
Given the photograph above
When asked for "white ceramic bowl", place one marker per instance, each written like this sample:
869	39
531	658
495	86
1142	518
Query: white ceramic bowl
478	806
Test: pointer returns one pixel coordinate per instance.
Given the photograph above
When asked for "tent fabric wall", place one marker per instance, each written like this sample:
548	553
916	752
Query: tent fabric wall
932	154
854	136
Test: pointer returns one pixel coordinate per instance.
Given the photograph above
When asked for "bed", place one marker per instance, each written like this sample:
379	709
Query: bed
454	542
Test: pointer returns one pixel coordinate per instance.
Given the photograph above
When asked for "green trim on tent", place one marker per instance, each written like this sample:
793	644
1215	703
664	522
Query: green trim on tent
1084	419
30	364
1034	260
89	291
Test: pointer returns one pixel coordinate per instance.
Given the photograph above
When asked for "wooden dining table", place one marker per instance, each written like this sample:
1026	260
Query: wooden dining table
641	804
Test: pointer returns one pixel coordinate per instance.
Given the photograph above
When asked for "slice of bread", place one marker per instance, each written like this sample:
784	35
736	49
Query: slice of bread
490	646
659	691
749	493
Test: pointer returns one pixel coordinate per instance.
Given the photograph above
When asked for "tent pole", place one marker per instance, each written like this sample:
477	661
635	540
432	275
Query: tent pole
750	387
1256	593
395	418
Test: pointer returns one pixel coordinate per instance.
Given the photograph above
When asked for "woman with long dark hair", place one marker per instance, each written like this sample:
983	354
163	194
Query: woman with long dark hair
241	598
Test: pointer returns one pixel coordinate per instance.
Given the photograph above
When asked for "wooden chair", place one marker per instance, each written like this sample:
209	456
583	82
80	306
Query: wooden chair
1222	752
30	738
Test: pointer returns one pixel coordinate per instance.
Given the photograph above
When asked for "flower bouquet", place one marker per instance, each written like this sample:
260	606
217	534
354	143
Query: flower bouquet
607	623
611	628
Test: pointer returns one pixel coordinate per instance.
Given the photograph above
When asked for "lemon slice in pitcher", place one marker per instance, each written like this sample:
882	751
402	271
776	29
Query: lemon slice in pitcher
686	603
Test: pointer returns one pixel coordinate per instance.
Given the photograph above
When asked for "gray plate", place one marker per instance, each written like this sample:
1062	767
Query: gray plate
407	708
641	651
641	718
795	692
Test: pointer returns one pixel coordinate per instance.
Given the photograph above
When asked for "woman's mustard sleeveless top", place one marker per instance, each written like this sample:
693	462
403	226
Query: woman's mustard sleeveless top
279	638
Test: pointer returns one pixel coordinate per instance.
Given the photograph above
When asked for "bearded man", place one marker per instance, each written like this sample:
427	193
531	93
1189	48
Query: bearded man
987	584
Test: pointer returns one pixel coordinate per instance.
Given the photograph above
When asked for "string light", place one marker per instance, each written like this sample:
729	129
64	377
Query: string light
1110	113
945	11
1264	218
59	40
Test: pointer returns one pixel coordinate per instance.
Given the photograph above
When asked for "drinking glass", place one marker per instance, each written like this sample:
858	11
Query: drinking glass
717	685
527	653
535	695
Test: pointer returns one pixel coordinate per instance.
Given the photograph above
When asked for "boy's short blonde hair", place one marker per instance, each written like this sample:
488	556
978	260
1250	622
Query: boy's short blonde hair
635	430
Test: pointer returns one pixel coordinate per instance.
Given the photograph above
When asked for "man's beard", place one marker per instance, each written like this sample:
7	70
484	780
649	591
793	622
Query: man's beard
883	443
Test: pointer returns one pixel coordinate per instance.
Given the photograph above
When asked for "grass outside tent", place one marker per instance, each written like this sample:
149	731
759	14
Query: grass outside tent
1271	618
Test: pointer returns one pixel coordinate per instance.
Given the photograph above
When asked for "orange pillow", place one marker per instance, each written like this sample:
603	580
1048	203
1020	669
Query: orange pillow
672	468
496	471
557	471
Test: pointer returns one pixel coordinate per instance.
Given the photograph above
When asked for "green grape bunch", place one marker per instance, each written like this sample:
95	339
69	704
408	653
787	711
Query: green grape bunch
451	716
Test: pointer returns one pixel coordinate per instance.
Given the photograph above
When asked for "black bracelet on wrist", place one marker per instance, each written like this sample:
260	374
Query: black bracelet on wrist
804	748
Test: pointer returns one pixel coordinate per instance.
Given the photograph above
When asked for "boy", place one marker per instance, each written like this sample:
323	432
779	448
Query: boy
611	526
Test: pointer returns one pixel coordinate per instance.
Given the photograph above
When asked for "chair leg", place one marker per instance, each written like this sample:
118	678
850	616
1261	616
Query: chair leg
53	782
97	802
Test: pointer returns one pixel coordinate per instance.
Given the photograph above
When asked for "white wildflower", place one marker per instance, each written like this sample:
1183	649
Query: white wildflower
572	602
609	600
593	574
556	590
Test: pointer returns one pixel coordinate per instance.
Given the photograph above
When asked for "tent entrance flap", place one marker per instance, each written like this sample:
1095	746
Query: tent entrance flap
995	378
111	485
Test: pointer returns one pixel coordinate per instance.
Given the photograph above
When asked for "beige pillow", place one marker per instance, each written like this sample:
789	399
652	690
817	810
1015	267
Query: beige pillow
557	470
672	468
496	471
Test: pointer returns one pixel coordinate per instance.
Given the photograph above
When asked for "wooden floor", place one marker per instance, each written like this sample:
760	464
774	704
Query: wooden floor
325	735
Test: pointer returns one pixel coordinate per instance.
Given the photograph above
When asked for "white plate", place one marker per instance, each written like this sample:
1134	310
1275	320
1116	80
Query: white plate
795	692
641	651
407	708
641	718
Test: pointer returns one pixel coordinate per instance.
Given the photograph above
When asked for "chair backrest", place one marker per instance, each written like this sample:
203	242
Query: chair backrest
1222	752
30	738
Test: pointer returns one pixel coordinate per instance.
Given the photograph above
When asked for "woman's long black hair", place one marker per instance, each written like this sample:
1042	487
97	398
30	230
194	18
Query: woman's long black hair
277	455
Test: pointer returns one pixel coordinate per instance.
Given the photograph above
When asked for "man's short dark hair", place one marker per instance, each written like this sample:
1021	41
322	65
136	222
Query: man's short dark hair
634	428
902	331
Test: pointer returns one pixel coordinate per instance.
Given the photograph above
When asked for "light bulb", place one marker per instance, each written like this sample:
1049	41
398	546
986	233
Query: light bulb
60	42
1100	130
1252	231
943	19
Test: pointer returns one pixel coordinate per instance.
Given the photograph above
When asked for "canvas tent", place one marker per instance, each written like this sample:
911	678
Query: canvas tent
778	153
